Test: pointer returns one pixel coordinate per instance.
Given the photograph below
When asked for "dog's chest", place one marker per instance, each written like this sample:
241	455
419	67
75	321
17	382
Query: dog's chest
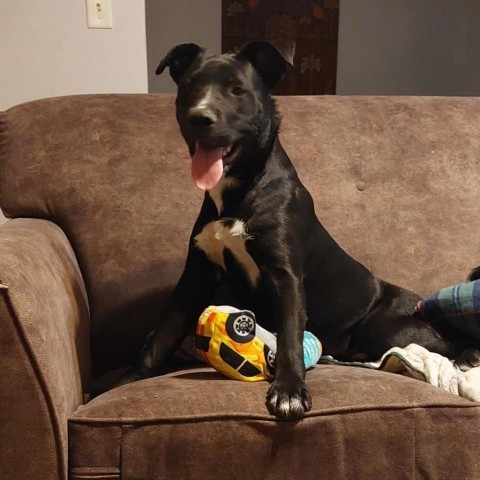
220	236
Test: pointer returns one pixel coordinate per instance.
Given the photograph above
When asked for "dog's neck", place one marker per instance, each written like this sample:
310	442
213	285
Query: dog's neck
216	195
263	162
270	166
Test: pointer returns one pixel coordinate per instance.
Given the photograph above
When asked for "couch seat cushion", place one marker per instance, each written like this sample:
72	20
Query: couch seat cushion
196	424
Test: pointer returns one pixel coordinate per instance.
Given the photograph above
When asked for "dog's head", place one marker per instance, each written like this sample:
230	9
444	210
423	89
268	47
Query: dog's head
224	108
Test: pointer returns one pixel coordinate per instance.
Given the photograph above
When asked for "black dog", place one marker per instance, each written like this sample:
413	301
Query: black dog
257	232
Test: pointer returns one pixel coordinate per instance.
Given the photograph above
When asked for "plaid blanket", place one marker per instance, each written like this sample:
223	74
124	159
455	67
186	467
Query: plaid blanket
458	305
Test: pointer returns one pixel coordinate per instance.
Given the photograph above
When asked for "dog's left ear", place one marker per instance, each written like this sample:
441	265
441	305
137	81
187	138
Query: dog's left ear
269	59
178	59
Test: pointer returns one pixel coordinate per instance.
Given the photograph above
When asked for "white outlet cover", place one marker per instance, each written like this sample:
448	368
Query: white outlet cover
99	14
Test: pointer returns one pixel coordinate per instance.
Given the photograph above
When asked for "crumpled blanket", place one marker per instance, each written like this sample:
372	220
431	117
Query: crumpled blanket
458	306
417	362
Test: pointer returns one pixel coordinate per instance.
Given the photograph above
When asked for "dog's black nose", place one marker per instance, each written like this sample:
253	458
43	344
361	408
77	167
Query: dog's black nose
202	117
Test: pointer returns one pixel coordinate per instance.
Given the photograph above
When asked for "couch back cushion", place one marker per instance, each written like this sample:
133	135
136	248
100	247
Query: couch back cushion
395	180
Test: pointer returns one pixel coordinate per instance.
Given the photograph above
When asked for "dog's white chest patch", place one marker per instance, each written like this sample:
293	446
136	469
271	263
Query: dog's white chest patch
216	237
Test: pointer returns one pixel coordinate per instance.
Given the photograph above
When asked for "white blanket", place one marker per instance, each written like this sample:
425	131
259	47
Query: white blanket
417	362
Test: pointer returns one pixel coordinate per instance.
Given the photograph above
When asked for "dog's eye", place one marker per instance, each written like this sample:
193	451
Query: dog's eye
238	91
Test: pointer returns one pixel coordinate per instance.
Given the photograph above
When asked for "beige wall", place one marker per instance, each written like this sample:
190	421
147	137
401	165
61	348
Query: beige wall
409	47
46	50
170	22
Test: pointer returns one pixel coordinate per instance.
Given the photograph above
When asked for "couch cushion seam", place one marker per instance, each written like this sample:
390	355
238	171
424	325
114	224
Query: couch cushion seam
120	452
414	411
241	416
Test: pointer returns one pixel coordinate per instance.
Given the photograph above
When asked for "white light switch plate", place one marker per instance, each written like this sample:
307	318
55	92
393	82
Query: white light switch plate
99	13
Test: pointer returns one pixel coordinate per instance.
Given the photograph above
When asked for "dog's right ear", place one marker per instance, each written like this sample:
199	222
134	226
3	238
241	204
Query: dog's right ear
268	59
178	59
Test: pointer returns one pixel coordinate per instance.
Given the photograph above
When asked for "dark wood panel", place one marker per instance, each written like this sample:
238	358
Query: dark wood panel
312	24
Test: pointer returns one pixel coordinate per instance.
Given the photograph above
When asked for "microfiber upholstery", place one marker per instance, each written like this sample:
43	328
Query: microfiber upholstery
113	172
395	180
363	425
102	202
44	348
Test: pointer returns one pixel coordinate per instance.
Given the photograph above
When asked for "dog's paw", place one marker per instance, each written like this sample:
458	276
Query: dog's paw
288	400
104	386
468	359
129	377
133	375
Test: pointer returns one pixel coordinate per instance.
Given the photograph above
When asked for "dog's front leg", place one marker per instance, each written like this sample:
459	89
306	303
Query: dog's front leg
191	295
288	396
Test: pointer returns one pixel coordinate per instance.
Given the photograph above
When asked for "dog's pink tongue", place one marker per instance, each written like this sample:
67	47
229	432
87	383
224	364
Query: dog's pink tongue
207	166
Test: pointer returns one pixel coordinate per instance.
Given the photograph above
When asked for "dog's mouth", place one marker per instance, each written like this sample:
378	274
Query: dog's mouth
208	164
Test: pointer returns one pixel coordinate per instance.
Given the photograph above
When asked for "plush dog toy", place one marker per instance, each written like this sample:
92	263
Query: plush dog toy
231	342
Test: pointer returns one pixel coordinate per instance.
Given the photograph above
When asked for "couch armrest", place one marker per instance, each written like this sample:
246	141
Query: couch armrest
44	348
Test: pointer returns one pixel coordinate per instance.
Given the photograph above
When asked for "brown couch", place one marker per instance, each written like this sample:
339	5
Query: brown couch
102	203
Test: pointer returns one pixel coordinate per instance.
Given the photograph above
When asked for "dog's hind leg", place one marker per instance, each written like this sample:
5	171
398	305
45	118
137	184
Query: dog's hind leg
383	333
391	323
192	294
442	339
468	359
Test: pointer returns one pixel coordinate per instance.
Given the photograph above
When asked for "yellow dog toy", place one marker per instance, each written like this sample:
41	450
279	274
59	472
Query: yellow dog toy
231	342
